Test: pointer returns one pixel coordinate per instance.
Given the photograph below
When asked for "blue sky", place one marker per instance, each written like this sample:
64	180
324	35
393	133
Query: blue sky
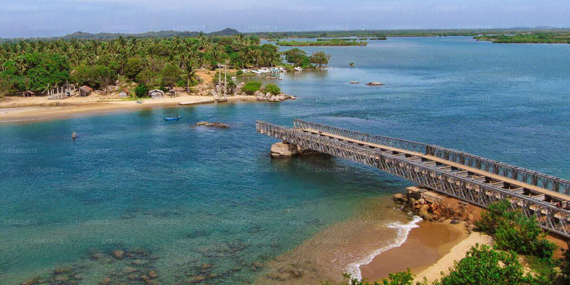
44	18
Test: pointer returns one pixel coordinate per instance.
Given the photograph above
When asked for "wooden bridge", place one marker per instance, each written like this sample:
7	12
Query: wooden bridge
468	177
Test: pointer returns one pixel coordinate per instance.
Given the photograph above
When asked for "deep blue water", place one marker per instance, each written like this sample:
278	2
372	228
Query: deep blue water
192	195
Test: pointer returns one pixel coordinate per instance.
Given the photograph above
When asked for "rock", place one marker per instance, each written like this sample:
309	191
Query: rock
78	276
134	276
455	221
139	262
152	274
34	280
206	266
105	281
97	256
257	264
118	254
61	278
297	273
422	201
62	270
398	197
424	214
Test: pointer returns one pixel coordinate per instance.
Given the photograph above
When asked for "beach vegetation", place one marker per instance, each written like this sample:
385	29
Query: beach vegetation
141	90
515	231
273	89
483	265
251	87
170	75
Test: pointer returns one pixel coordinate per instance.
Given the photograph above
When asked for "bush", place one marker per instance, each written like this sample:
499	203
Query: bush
515	231
483	265
141	90
239	72
273	89
250	87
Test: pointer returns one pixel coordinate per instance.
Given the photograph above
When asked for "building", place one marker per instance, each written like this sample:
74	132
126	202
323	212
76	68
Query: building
156	94
85	91
124	93
172	93
28	93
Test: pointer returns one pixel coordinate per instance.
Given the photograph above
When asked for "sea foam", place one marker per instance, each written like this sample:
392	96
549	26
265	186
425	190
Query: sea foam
403	230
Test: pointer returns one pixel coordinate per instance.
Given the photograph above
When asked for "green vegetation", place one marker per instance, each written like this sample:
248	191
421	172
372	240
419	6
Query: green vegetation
272	88
298	57
514	231
250	87
540	38
483	265
334	42
154	62
141	90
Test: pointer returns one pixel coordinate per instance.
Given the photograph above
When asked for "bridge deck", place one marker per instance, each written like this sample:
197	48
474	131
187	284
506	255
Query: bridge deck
537	190
468	177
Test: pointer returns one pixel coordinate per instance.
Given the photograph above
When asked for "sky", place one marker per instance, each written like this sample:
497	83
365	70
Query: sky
48	18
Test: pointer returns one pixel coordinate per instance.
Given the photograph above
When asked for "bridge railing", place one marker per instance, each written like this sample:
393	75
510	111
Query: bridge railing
492	166
549	216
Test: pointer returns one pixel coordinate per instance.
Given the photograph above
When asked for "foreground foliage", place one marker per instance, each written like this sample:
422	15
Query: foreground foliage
483	265
514	231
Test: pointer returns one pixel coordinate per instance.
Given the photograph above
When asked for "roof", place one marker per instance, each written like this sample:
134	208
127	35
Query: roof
126	90
156	90
86	88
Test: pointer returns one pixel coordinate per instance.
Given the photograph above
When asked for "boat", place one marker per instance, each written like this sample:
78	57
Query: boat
374	83
172	118
298	68
353	82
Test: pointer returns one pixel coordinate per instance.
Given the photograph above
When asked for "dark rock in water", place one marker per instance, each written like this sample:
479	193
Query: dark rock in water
206	266
118	254
134	277
61	278
105	281
34	280
152	274
62	270
254	229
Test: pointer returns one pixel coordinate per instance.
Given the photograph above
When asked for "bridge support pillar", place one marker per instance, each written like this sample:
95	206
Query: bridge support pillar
285	149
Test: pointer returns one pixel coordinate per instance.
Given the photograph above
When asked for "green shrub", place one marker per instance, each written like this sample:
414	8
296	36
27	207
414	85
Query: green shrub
250	87
273	89
515	231
483	265
239	72
141	90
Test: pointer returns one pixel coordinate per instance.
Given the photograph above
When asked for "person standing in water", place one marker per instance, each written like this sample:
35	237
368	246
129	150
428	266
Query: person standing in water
73	136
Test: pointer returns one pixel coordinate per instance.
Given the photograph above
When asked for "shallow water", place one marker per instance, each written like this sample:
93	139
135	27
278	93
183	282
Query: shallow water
192	195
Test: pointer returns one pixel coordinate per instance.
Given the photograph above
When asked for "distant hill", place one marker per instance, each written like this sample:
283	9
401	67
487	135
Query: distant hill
225	32
109	36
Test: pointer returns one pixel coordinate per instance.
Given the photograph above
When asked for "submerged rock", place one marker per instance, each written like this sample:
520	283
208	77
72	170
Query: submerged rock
213	124
118	254
153	274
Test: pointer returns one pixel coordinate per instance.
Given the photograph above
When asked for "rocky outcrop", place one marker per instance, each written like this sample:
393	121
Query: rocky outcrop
284	149
433	206
213	124
260	96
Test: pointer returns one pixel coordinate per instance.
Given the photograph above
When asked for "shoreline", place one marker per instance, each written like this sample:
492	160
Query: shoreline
28	110
425	248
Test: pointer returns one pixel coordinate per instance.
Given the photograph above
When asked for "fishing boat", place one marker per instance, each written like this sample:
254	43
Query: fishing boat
353	82
173	118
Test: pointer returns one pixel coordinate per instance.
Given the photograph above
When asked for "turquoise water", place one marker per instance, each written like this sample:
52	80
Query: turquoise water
190	196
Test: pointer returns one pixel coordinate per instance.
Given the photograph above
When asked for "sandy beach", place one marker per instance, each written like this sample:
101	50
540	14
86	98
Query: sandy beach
424	247
19	109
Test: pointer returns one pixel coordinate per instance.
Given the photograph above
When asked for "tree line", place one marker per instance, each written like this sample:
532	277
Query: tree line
41	65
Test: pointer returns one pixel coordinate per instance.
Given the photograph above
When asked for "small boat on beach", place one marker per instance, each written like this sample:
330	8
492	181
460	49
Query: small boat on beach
173	118
298	68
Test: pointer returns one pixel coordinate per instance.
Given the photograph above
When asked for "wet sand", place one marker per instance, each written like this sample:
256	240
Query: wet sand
424	246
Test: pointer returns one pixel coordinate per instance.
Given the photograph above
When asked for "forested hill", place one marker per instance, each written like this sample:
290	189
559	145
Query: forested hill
112	36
